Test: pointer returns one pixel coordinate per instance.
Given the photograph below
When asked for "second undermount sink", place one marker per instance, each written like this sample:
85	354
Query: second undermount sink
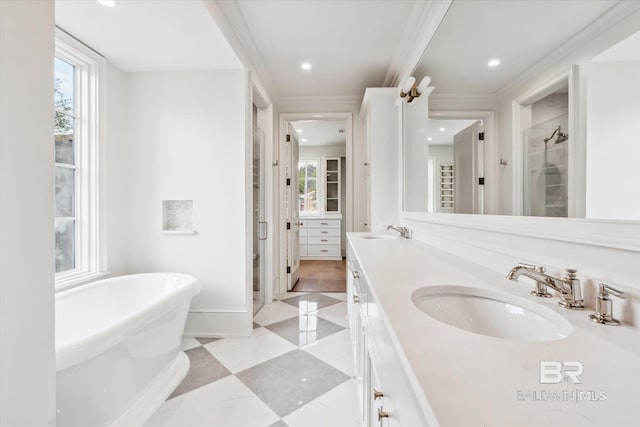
376	236
490	313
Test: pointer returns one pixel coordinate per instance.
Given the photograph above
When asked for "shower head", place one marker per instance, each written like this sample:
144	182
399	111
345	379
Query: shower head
562	137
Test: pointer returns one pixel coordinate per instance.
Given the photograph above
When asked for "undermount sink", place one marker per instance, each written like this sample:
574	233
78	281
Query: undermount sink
494	314
378	237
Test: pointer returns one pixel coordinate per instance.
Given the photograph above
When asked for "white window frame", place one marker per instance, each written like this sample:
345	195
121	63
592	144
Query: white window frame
319	207
90	194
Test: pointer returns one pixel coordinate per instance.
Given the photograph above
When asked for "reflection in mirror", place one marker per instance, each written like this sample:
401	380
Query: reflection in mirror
416	174
454	148
561	142
613	151
546	158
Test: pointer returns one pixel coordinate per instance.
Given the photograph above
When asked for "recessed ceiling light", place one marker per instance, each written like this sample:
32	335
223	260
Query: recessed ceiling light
493	62
429	139
304	140
108	3
306	66
442	129
299	130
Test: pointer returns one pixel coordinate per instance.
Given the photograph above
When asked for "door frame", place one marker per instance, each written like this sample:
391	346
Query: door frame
284	119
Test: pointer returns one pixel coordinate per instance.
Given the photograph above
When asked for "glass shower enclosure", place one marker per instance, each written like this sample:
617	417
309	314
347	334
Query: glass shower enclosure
546	168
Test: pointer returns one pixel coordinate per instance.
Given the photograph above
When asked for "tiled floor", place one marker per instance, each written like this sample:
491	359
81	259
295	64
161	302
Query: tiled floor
322	276
295	370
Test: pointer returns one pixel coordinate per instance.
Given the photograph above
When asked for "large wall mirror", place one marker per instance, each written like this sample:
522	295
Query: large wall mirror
533	112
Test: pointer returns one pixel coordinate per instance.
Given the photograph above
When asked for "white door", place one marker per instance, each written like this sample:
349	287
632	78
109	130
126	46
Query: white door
293	213
466	171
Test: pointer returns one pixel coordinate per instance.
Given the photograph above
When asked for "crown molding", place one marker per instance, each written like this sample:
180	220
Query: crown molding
420	29
350	100
231	22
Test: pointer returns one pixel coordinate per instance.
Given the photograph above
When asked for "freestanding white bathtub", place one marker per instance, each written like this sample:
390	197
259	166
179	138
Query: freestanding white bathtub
118	351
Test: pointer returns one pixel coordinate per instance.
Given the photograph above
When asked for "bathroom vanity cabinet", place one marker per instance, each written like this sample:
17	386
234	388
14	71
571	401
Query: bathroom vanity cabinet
414	370
385	394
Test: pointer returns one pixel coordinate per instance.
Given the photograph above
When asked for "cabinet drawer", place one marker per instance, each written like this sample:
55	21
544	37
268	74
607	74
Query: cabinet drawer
302	250
323	240
323	232
303	239
322	223
323	250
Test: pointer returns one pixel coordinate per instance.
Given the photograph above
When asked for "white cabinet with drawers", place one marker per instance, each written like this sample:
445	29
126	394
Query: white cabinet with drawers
320	238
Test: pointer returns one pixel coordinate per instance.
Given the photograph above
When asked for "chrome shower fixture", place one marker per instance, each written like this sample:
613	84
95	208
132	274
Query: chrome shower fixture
562	137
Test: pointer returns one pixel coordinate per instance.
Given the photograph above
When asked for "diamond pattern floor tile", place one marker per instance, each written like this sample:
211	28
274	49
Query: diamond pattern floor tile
204	369
304	329
275	312
224	403
336	313
340	403
309	303
290	381
335	350
240	353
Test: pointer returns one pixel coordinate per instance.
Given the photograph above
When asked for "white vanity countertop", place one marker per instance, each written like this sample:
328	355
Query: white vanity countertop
476	380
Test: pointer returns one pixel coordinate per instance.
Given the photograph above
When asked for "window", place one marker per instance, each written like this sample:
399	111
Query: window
77	86
307	186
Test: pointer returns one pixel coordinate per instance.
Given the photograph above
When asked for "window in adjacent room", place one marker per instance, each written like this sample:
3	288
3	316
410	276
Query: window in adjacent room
307	186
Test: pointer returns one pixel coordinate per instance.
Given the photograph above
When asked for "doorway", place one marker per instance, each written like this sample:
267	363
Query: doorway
317	207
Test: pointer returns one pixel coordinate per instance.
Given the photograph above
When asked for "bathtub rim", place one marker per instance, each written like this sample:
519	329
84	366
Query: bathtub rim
77	351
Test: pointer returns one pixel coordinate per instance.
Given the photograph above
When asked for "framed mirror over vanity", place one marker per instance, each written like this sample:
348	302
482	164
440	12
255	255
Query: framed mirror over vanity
527	117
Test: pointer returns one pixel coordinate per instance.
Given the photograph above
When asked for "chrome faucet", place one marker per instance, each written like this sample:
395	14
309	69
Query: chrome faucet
568	286
405	233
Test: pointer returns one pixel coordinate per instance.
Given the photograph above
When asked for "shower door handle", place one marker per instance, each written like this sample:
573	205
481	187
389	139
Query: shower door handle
264	229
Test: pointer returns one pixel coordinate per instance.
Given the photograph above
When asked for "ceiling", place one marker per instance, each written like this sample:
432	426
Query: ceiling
451	128
320	132
350	43
144	35
518	32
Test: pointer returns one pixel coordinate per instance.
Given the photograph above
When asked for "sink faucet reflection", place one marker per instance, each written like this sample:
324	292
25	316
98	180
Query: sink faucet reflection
568	286
405	233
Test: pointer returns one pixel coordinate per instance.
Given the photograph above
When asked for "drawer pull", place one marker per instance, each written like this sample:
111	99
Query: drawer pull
382	414
324	232
323	240
323	250
377	394
324	223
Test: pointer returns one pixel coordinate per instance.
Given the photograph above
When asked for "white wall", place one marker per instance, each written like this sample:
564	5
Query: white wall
27	351
185	138
613	151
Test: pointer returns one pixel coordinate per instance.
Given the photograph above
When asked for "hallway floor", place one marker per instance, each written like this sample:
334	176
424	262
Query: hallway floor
295	370
322	276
